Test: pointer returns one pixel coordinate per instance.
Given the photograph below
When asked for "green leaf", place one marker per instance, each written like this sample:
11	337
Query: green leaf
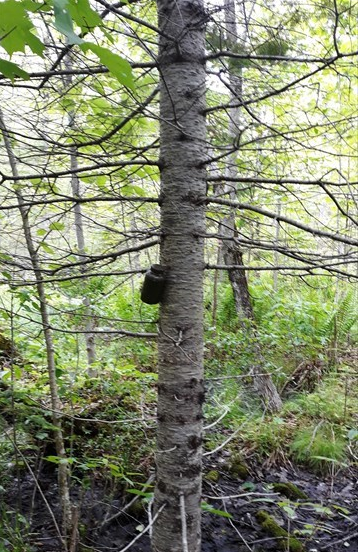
54	459
41	232
140	493
47	248
34	6
208	508
291	513
5	374
15	29
353	434
11	70
83	15
57	226
41	435
117	65
130	189
248	485
63	22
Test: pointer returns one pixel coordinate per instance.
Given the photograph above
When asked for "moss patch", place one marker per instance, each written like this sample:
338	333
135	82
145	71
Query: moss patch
237	467
289	490
285	540
212	475
136	508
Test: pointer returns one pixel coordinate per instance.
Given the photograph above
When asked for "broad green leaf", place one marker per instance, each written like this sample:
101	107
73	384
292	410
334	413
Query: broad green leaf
99	104
41	232
130	189
117	65
57	226
5	374
54	459
15	29
34	6
63	22
83	15
46	247
11	70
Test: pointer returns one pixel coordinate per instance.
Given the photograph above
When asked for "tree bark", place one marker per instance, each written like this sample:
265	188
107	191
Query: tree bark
180	384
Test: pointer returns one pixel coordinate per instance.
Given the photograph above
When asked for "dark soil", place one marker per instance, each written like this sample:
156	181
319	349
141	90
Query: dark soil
326	521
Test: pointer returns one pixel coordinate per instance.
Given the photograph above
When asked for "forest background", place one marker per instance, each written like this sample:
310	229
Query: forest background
218	141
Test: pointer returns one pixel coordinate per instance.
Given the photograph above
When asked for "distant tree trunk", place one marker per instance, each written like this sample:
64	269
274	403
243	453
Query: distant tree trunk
183	182
232	254
276	254
63	466
80	239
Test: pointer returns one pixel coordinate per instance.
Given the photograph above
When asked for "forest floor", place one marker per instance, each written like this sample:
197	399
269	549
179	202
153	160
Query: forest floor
324	521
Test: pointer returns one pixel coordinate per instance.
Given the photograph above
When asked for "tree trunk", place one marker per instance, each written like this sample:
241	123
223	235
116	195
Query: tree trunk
180	385
63	466
232	255
80	239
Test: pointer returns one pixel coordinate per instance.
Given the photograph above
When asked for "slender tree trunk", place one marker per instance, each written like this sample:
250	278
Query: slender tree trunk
80	239
63	466
276	254
180	385
232	255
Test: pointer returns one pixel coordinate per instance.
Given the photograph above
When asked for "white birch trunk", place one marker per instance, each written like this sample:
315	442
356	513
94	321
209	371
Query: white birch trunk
180	385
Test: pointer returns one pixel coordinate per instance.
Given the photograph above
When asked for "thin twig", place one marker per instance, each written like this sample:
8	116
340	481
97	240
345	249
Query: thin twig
218	420
347	538
230	497
223	444
38	488
144	531
127	506
236	530
183	522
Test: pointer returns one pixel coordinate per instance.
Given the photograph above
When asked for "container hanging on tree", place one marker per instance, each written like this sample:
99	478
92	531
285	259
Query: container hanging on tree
153	285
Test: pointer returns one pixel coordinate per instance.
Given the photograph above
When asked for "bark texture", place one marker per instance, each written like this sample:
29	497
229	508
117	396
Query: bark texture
180	385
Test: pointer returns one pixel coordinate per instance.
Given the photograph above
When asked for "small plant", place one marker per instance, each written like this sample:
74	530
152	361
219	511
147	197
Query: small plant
13	529
270	436
319	446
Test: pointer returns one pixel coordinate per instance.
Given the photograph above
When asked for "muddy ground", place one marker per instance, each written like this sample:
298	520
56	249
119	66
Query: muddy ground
325	521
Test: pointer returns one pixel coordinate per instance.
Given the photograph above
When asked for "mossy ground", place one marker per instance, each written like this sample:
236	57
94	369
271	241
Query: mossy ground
284	539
